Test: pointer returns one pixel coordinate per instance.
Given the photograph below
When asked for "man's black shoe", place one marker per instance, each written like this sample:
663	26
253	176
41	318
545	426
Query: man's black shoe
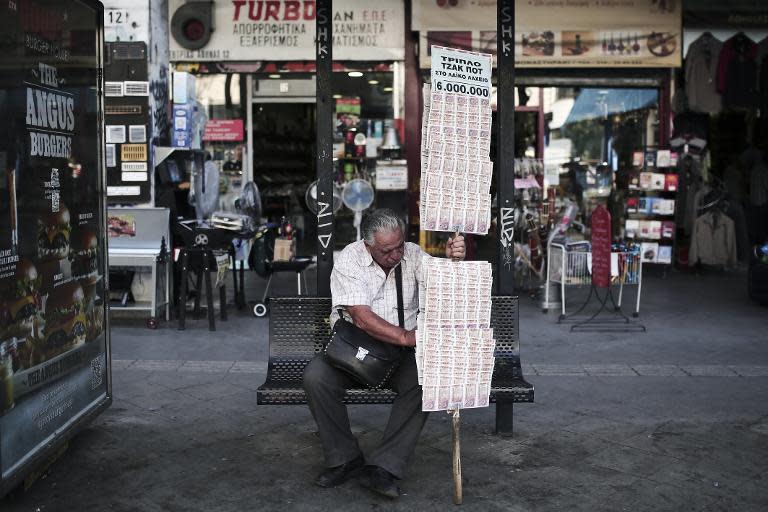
332	477
380	481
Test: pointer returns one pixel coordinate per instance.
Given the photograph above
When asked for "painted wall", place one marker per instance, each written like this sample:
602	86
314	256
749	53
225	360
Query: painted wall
146	20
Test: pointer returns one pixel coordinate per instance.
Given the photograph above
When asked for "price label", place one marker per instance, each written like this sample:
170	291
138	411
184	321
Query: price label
461	72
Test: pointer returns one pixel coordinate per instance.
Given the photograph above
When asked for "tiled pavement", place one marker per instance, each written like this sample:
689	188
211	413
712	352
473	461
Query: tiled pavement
674	419
549	370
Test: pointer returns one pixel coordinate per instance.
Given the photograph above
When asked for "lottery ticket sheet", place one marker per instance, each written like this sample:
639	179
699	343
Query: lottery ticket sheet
456	168
454	341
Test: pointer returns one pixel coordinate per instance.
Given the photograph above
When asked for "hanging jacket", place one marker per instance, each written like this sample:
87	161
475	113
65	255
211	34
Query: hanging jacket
713	241
701	66
737	73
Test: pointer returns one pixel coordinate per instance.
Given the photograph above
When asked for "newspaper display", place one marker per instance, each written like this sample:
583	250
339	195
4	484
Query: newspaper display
454	341
456	168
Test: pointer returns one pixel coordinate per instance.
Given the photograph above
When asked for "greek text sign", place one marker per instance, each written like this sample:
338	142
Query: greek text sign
578	33
461	72
248	30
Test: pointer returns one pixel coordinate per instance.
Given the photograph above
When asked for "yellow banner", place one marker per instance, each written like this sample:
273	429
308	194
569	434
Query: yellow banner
560	33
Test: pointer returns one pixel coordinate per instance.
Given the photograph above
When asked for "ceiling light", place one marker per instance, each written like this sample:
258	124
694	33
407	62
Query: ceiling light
274	76
336	96
373	82
355	74
387	89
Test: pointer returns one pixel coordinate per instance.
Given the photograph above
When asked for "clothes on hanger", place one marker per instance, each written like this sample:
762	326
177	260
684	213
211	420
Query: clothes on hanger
736	182
690	184
688	144
754	162
762	51
713	241
736	213
691	125
737	73
701	67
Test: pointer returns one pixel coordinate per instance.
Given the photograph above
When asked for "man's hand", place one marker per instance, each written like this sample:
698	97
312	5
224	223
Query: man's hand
409	338
455	248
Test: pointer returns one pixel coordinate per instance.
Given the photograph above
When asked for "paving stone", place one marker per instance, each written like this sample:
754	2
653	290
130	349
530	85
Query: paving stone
560	370
156	365
708	371
609	370
248	367
750	371
659	370
206	366
122	364
629	460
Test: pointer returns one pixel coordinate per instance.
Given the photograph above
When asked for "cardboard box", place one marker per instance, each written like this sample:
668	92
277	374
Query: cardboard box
284	249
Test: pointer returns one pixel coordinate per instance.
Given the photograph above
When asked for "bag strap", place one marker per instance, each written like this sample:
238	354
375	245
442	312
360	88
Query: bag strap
399	286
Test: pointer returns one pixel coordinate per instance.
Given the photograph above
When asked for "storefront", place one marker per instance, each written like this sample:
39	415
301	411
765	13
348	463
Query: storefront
592	116
721	124
598	114
255	81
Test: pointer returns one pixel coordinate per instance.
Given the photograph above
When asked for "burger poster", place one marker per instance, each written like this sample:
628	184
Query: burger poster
52	253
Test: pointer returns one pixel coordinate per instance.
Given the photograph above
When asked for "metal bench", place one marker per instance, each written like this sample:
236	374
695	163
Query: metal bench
299	328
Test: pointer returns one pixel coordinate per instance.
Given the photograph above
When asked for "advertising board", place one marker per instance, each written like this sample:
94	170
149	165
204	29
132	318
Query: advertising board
54	346
578	33
275	30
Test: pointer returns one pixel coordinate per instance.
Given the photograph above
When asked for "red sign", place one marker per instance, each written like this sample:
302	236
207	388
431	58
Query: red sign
227	130
601	247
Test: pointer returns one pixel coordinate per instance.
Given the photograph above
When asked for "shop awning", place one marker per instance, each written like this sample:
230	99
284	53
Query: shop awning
596	103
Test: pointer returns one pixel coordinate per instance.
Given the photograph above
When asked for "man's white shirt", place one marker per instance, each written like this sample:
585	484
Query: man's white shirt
357	280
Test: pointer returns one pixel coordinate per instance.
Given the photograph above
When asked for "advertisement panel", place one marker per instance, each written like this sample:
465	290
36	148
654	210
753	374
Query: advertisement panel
253	30
224	130
579	33
53	335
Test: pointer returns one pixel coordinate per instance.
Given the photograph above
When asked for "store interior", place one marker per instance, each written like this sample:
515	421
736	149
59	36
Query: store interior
661	154
283	130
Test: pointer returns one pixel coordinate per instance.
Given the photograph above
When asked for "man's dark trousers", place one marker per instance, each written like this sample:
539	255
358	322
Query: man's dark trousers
325	387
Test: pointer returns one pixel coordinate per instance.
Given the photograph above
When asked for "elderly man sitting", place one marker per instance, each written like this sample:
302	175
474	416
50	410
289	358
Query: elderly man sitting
363	286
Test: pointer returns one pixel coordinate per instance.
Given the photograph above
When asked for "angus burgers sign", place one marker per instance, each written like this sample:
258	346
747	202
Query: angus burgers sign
53	342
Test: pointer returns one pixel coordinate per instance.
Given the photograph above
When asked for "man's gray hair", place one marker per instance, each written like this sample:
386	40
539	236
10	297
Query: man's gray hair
382	219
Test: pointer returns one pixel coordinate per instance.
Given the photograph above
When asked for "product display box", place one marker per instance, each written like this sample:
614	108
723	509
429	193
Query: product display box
670	182
664	254
284	249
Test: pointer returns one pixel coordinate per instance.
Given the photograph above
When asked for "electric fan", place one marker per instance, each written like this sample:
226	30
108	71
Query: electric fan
310	196
358	196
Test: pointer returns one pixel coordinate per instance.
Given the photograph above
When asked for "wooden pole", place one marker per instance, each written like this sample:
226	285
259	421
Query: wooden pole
458	497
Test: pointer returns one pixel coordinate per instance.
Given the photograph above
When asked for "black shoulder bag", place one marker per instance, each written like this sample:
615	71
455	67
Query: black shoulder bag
369	361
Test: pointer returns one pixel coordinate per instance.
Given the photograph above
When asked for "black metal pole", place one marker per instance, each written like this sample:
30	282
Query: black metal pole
505	162
324	138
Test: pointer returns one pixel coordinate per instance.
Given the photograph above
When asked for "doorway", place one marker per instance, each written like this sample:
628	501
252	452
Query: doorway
284	164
